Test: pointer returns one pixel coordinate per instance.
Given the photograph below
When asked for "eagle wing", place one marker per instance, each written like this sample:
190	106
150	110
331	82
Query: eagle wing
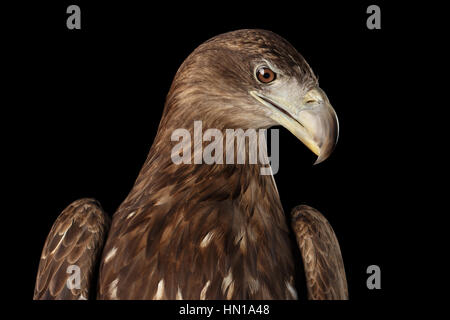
72	250
322	259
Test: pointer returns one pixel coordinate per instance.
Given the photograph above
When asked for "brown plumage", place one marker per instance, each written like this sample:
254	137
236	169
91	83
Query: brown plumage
322	260
199	231
76	238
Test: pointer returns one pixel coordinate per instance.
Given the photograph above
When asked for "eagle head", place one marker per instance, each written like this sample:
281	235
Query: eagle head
253	79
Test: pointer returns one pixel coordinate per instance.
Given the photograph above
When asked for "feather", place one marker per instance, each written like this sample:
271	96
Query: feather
323	264
76	238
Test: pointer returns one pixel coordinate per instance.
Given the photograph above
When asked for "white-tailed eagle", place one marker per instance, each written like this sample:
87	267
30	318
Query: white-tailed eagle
209	231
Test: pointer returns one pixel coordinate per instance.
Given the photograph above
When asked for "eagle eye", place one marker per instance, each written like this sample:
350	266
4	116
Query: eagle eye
265	75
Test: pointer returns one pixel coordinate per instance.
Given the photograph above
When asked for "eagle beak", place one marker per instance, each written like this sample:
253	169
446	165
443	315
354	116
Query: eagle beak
313	120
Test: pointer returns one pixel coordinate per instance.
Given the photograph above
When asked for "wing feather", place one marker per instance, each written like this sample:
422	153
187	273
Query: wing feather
322	259
76	238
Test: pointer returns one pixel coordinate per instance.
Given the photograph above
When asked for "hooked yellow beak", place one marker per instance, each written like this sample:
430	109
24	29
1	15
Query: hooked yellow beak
312	120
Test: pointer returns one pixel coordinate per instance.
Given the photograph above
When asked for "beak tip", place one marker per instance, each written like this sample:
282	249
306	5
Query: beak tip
318	160
324	154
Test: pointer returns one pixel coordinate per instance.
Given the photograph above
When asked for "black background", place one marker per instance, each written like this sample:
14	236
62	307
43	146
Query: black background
95	96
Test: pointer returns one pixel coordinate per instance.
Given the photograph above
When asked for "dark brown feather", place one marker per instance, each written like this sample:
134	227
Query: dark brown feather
76	238
322	259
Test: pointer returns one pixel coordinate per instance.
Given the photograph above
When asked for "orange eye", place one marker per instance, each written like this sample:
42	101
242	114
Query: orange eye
265	75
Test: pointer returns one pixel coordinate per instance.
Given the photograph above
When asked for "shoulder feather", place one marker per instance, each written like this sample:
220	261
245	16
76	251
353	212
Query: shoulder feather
74	243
